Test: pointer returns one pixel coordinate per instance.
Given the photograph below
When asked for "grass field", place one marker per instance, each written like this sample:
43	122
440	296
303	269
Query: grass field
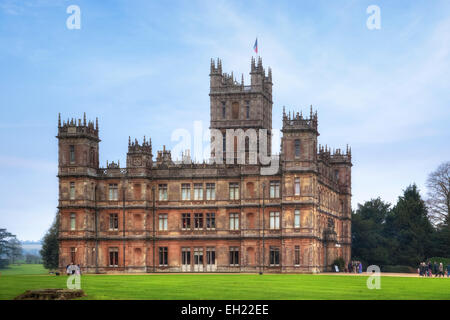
232	286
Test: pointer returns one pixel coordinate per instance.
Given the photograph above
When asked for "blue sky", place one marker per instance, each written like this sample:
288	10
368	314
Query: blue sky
142	67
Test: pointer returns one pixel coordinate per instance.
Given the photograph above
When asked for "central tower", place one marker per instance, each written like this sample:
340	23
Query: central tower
237	106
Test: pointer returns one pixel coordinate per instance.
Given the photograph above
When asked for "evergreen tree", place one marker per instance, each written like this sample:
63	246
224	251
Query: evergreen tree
409	230
368	241
50	246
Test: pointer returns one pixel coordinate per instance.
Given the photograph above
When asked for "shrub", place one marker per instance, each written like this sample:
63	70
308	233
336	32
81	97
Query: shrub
340	263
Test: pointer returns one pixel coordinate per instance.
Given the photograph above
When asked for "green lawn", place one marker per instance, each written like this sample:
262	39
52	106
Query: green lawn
232	286
23	269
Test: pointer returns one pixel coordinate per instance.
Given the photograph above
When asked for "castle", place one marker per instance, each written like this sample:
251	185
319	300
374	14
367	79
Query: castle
160	215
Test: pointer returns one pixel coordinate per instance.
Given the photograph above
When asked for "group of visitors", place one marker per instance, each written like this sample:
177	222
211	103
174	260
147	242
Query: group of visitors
428	269
73	269
354	267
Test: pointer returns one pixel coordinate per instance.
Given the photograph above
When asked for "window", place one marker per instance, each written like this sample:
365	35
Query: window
113	257
162	192
113	221
234	221
185	191
210	220
234	191
210	255
274	189
73	221
198	221
296	218
336	174
274	220
224	110
224	143
297	186
163	256
113	192
186	221
297	255
72	154
235	110
234	256
198	191
247	109
297	148
210	191
73	253
186	256
274	256
72	191
198	256
163	222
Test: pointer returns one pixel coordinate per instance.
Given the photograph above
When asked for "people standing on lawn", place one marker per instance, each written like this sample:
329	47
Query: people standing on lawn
430	269
448	270
360	267
441	270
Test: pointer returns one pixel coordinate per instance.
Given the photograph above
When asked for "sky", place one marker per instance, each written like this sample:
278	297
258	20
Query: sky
142	68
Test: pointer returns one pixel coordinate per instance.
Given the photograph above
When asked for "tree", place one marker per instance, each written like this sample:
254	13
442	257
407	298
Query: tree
5	236
438	184
14	249
409	230
369	243
50	245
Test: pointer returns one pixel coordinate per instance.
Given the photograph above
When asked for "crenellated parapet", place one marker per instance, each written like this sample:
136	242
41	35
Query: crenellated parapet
297	122
78	128
139	154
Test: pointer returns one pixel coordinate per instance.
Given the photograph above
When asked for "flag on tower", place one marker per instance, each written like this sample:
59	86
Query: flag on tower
255	47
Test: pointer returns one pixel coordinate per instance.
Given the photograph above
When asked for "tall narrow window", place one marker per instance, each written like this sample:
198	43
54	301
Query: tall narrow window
186	221
162	192
72	154
73	254
73	221
210	221
234	256
163	256
274	220
235	110
186	256
274	256
210	191
185	191
297	186
198	191
210	255
163	222
72	191
234	221
297	148
297	255
114	257
296	218
274	189
247	109
113	221
224	110
198	256
234	190
198	221
224	144
113	192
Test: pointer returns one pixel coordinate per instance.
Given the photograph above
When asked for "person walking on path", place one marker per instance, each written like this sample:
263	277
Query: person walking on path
441	270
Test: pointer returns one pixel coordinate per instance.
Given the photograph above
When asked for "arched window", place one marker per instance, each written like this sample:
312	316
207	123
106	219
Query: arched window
297	148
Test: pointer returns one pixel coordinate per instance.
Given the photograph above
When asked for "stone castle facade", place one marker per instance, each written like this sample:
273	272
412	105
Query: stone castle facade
158	215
